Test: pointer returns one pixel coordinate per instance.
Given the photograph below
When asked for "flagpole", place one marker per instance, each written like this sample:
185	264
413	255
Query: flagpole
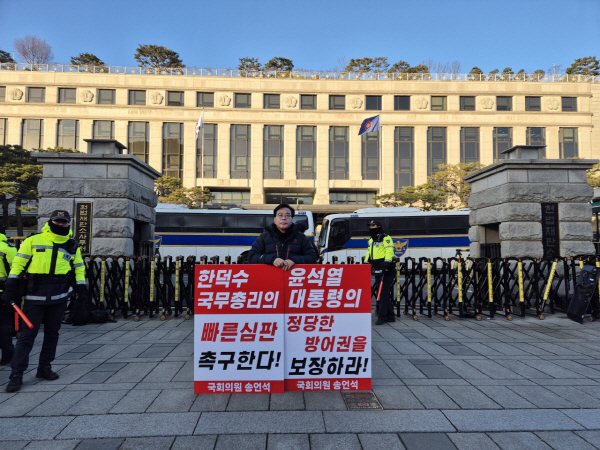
202	161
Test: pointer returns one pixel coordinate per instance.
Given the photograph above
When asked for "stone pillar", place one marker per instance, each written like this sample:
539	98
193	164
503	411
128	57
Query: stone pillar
120	187
506	206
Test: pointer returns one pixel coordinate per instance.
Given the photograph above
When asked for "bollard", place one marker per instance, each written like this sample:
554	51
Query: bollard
459	284
228	259
102	280
398	298
547	290
239	259
491	304
126	288
151	287
428	288
176	298
334	260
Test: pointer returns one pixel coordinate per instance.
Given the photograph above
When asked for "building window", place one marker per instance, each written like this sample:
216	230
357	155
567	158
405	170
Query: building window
242	100
403	157
291	198
271	101
273	152
373	103
502	139
308	102
240	151
138	140
401	103
503	103
536	136
467	103
103	129
338	153
351	198
370	156
67	95
569	104
337	102
2	93
469	145
173	150
210	131
67	135
174	98
438	103
230	197
205	99
36	95
436	149
106	96
32	134
306	153
2	131
533	103
137	97
567	143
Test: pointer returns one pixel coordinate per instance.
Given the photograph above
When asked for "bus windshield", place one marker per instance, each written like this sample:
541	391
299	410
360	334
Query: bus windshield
323	235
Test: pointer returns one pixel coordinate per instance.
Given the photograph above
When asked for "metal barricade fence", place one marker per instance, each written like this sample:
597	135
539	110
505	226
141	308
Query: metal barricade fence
455	287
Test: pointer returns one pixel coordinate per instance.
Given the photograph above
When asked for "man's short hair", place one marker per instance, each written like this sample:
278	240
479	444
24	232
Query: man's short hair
284	205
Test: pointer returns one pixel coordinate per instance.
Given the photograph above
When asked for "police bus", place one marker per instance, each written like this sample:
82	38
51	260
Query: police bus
214	232
416	233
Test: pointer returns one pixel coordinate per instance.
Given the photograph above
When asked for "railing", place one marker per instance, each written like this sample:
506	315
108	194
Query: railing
298	75
463	287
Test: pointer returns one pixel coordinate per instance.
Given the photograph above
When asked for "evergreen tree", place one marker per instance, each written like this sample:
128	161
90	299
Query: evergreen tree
157	57
585	66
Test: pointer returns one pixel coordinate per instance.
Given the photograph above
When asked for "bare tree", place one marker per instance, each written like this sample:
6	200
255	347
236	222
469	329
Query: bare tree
34	50
455	67
556	69
340	65
430	63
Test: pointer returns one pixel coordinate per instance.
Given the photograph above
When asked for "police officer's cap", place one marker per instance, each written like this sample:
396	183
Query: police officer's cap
376	223
60	214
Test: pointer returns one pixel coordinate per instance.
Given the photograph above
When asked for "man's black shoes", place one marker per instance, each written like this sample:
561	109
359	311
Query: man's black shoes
46	373
14	383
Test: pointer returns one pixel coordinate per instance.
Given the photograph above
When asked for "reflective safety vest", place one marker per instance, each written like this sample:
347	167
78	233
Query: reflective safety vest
7	253
380	251
49	260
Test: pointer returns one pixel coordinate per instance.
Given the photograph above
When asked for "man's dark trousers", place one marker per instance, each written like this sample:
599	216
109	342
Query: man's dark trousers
385	309
7	317
52	315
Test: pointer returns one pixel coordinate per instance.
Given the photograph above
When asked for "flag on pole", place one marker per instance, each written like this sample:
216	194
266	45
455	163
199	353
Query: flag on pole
200	124
370	124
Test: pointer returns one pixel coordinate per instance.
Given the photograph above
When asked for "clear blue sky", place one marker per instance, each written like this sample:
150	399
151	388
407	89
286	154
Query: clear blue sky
522	34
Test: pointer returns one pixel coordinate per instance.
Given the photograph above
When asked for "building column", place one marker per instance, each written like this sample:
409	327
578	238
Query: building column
322	166
257	193
387	159
189	155
50	133
85	132
420	163
453	145
552	146
354	153
486	145
289	152
155	150
223	156
519	135
121	131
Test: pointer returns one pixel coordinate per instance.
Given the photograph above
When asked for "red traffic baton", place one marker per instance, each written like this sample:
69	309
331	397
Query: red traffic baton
22	316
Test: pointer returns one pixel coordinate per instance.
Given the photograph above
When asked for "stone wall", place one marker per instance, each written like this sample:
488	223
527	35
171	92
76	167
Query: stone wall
121	188
510	193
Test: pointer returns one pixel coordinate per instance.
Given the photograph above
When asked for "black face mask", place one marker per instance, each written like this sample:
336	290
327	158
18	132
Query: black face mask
57	229
374	232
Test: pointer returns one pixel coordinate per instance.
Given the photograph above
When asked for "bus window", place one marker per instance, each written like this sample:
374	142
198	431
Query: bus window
302	220
338	236
360	226
449	225
203	223
323	233
407	226
168	222
246	223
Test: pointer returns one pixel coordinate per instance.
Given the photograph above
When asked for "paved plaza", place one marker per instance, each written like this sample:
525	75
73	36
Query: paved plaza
460	384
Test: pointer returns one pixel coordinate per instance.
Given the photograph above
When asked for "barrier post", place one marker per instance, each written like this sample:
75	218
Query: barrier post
547	290
398	289
176	298
521	289
428	288
151	287
459	284
126	288
491	303
102	279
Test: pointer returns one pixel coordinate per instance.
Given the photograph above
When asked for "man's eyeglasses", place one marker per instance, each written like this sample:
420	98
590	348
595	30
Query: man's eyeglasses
282	216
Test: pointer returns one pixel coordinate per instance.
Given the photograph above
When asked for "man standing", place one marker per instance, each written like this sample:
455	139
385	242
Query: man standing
7	253
48	258
380	254
283	244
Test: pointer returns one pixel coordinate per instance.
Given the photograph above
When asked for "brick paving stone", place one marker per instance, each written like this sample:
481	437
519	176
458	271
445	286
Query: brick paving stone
518	441
173	400
58	403
541	397
324	401
22	403
30	428
132	373
288	442
551	369
100	444
371	441
404	369
468	397
432	397
334	442
109	367
593	437
194	443
437	371
248	402
163	372
63	444
379	370
426	441
386	421
589	418
94	377
511	420
505	397
288	401
154	443
260	422
210	402
397	397
97	402
241	442
472	441
565	440
464	369
577	395
186	373
135	401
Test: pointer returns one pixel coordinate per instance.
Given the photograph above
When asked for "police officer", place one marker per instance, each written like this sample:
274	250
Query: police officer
7	253
48	258
380	254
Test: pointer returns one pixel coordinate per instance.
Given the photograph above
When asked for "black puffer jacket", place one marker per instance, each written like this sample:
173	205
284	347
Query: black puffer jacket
296	247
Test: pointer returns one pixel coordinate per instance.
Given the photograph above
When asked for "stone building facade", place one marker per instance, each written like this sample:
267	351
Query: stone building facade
296	139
